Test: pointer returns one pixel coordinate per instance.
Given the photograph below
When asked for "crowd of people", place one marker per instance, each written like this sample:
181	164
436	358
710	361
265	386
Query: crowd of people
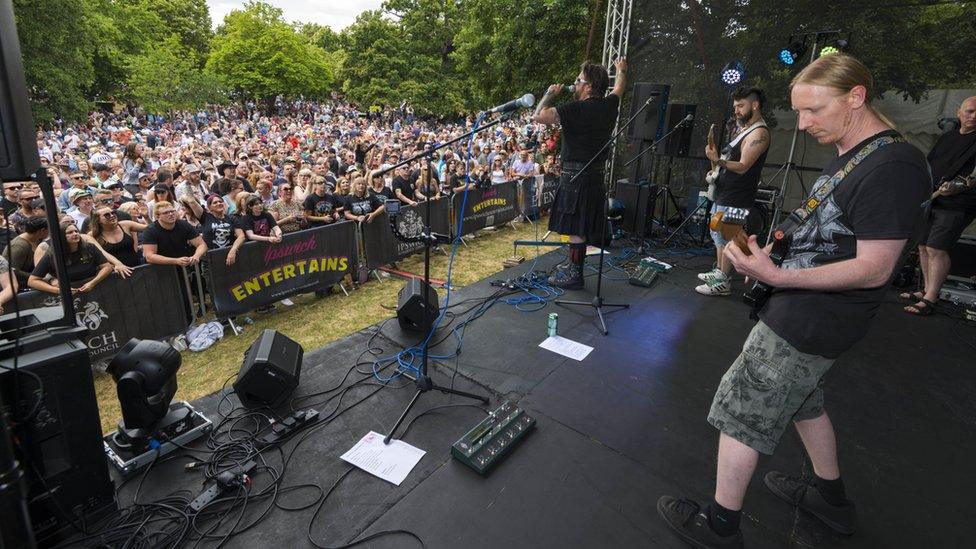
134	188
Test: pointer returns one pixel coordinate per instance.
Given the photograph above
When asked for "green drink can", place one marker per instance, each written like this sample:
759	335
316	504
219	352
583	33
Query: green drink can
553	323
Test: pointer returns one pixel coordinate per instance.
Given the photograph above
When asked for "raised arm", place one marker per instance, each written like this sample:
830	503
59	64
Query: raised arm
620	82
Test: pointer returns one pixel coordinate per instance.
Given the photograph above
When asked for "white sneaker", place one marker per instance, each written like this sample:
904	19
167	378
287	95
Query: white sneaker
705	277
716	286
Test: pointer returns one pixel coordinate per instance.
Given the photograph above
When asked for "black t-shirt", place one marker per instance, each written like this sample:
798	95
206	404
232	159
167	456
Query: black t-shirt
944	155
405	185
260	224
173	242
81	266
739	190
362	205
879	200
217	233
384	193
8	206
321	206
587	126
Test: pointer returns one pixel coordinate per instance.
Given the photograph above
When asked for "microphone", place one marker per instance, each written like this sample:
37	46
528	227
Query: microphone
687	120
523	102
571	88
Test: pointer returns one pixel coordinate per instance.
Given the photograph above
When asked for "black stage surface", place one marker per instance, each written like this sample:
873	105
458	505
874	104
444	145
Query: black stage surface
627	425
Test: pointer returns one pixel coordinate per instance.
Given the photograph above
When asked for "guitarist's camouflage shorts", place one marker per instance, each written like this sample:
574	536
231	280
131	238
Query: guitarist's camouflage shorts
769	385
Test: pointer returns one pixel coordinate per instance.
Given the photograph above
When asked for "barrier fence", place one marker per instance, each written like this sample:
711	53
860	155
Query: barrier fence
150	304
154	303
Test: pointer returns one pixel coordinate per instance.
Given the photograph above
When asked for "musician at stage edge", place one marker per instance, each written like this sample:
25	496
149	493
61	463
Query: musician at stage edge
953	162
834	273
587	123
735	177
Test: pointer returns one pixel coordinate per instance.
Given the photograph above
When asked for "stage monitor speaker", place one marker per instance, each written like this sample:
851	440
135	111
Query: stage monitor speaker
963	256
416	300
638	201
679	143
649	126
59	437
18	148
270	372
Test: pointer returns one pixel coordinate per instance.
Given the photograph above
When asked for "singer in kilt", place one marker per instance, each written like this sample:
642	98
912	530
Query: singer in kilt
587	123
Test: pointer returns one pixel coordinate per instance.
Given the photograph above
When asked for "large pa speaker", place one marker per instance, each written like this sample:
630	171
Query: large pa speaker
51	401
649	126
18	149
679	143
638	201
270	372
417	306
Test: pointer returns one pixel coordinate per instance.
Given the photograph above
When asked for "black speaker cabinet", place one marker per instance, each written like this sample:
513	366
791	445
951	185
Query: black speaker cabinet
679	143
638	201
59	437
18	149
649	126
963	256
270	372
417	299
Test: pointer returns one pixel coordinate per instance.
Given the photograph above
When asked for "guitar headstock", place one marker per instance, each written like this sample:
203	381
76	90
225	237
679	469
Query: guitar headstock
735	216
711	135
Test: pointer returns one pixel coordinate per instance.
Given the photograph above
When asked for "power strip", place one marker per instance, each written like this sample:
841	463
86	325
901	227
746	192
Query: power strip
225	481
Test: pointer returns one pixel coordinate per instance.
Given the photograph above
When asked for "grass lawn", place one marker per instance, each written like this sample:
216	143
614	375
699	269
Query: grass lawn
313	321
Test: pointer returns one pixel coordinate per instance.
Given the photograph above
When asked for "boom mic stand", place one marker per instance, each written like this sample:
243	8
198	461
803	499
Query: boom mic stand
423	381
597	303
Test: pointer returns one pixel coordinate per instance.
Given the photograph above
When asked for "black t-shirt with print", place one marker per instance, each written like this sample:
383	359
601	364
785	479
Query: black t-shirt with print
217	233
880	199
260	224
321	206
362	205
171	242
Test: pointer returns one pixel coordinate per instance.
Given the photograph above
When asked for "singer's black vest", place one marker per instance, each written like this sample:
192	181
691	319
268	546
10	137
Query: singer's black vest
739	190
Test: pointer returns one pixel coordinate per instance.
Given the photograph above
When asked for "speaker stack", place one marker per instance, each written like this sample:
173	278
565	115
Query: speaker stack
270	372
18	149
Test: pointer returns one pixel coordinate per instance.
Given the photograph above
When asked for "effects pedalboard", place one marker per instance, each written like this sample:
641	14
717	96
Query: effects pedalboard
485	445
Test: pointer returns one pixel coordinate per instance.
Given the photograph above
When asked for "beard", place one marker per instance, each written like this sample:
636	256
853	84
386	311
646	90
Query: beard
745	116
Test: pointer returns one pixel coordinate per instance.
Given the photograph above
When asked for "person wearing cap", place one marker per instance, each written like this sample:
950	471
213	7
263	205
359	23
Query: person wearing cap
192	184
103	176
77	182
82	204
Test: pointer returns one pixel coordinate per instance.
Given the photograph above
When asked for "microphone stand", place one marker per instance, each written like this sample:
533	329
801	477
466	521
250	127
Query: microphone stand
423	381
597	302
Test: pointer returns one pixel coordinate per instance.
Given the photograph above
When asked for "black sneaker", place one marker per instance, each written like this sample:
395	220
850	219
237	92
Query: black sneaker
689	522
805	495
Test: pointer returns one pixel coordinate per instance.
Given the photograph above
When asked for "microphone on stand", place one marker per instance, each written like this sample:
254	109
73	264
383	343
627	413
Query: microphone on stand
687	120
523	102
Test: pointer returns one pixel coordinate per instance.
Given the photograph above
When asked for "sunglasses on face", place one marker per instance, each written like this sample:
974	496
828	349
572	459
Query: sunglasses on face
106	201
14	187
108	215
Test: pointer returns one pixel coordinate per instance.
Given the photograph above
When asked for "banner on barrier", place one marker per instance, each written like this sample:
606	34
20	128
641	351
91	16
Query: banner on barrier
492	206
264	273
383	247
537	194
147	305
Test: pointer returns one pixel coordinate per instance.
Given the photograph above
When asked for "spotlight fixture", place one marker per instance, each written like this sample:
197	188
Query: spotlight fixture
733	73
836	47
791	54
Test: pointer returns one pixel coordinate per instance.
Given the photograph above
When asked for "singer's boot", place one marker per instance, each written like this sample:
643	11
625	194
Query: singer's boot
571	277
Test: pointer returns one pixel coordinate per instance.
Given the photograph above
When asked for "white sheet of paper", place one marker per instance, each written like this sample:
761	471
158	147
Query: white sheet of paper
566	347
592	250
391	462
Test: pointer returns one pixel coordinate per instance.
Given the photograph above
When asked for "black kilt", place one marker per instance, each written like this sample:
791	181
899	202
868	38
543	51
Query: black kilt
578	207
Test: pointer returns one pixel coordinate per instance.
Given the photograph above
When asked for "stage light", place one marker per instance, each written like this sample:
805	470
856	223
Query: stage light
733	73
145	376
791	54
837	47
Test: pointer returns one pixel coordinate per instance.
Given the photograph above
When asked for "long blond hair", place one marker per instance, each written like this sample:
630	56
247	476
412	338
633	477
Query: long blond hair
842	73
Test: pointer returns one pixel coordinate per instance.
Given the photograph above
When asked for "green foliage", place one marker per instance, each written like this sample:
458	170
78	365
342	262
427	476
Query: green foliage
256	53
181	86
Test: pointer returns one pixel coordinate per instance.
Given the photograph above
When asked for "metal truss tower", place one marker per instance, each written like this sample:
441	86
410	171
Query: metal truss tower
615	39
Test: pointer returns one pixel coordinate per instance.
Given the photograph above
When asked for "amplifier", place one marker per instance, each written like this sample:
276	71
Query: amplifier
963	256
958	293
766	194
485	445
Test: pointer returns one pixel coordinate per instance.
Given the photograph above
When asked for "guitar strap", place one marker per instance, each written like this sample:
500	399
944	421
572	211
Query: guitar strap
800	215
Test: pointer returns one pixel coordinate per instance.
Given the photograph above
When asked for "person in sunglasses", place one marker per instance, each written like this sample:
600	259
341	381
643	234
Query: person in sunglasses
116	236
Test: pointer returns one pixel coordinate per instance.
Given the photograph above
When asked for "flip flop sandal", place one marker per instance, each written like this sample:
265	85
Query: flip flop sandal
925	309
911	296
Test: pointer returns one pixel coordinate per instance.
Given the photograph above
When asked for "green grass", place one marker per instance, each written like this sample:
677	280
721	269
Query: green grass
314	322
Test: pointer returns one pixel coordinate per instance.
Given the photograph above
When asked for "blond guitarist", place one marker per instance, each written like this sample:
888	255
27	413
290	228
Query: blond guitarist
953	206
736	177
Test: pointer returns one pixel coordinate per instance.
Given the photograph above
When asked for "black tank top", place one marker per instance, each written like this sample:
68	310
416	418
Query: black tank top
122	250
739	190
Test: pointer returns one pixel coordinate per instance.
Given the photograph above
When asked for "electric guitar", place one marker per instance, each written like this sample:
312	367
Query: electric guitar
959	183
731	224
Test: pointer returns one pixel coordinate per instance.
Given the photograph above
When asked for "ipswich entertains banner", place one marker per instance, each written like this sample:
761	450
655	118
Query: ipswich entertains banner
265	273
147	305
488	207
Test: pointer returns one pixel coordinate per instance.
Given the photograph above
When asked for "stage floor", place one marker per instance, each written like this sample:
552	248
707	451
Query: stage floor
626	425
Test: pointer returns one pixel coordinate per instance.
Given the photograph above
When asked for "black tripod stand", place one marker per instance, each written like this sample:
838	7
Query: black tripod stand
597	302
423	381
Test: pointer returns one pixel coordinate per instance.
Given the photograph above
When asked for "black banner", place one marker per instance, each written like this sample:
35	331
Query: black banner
383	247
535	198
264	273
488	207
147	305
